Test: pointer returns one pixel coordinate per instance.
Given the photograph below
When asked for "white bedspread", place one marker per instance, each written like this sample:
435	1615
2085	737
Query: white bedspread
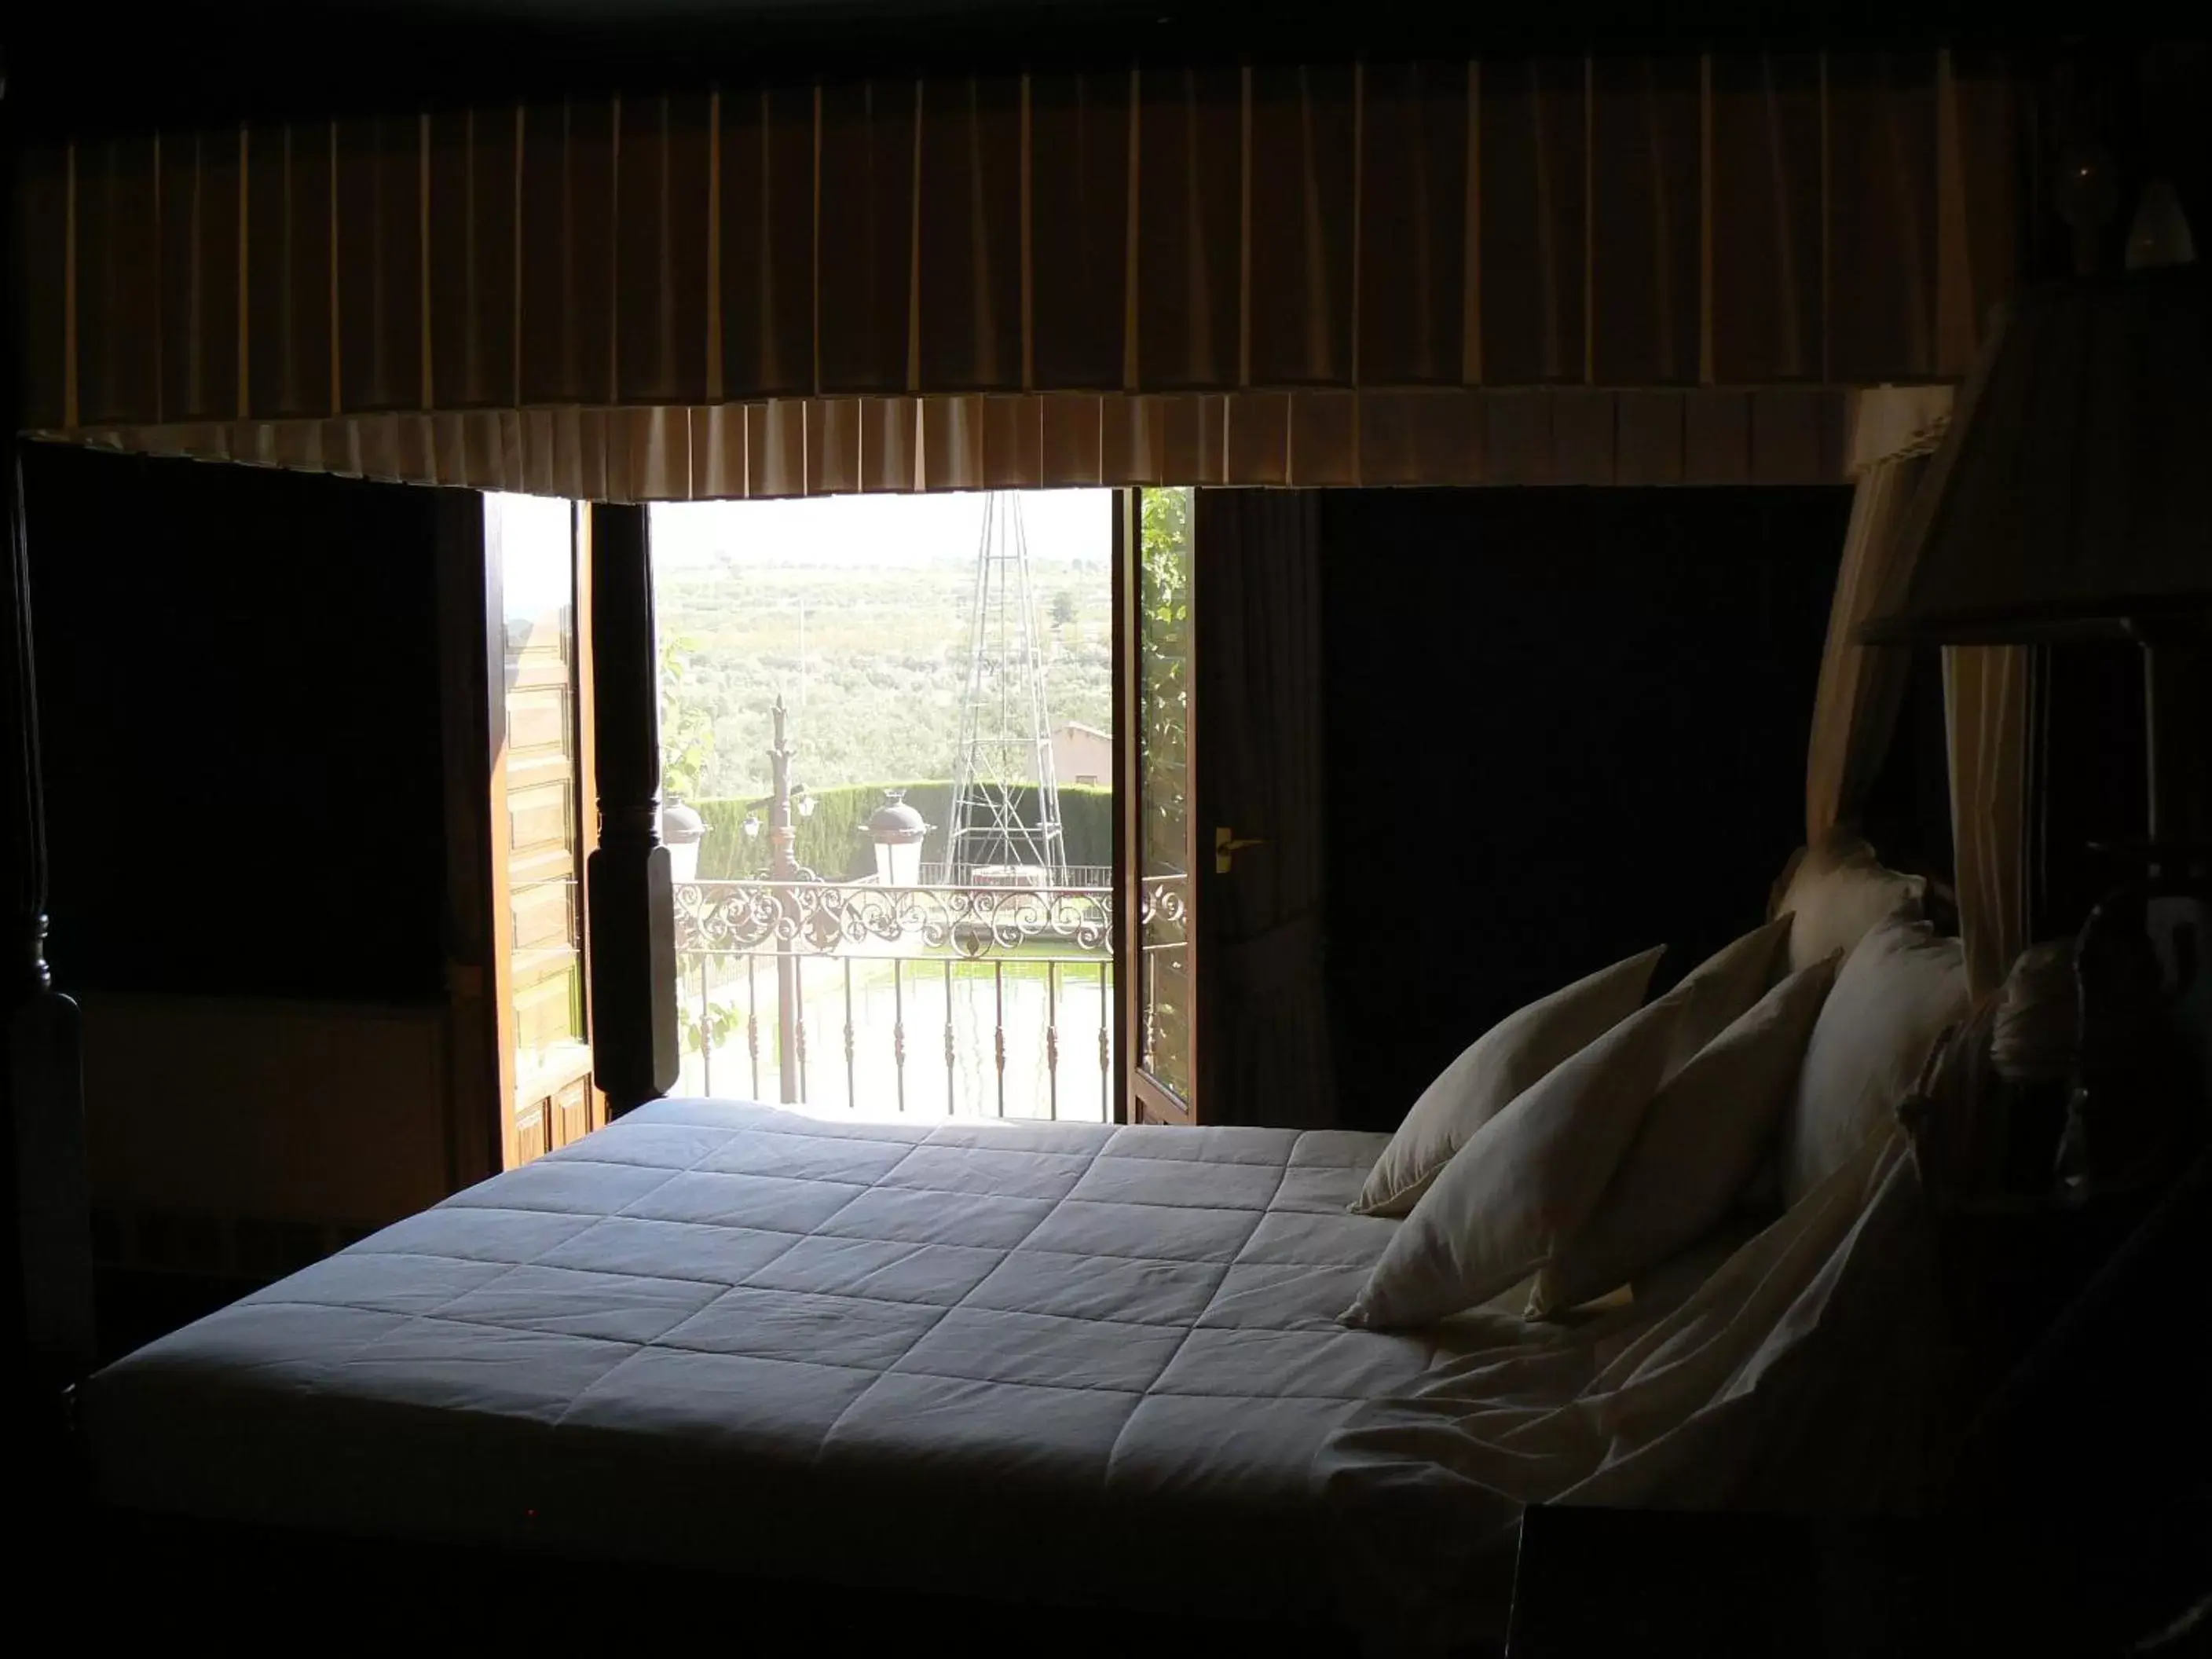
1794	1373
722	1334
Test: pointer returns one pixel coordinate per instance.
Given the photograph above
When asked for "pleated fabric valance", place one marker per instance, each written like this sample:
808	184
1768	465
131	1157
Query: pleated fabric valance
1349	273
830	445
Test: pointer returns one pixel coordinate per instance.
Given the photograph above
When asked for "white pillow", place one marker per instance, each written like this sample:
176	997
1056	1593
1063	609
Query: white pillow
1491	1072
1725	984
1839	893
1895	995
1701	1141
1525	1183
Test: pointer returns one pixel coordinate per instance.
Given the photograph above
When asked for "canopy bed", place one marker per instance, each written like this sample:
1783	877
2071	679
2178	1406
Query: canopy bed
1668	270
723	1336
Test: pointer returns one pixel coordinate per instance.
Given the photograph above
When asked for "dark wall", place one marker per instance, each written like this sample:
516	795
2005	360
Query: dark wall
238	685
232	57
2095	778
1564	726
1907	814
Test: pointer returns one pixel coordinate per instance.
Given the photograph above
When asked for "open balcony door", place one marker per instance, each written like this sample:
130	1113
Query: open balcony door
538	572
1218	673
1156	665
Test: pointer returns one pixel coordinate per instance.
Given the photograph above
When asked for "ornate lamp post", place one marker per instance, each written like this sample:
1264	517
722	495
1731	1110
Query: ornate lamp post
783	868
783	863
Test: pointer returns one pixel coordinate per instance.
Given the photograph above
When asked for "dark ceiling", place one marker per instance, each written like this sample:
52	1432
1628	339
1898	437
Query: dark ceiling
86	64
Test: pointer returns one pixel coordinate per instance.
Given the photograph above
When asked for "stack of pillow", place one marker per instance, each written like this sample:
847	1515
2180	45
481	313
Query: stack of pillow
1588	1138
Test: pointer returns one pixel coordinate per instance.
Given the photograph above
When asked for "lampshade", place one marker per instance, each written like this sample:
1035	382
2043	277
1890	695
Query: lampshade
2072	494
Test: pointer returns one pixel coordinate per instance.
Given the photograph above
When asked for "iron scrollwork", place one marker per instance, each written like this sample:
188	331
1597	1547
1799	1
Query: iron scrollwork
1160	900
738	917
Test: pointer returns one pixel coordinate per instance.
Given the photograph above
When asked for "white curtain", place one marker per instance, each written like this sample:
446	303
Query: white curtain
1985	698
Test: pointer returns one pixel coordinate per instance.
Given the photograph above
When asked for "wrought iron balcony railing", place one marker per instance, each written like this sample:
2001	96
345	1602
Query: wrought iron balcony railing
1078	876
1013	983
840	917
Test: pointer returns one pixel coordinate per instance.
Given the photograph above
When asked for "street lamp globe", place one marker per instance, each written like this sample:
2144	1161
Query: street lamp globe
681	830
897	831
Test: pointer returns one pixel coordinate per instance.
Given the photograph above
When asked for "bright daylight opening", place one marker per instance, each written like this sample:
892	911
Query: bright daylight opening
887	731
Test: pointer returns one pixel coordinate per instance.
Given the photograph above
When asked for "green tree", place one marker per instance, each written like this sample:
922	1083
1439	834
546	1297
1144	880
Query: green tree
1163	575
687	723
1163	686
1063	608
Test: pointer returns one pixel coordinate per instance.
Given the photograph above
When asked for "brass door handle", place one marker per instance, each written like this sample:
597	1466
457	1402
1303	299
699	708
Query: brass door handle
1227	843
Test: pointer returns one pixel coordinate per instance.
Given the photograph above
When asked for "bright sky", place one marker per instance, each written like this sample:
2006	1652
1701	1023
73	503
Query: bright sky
878	529
535	577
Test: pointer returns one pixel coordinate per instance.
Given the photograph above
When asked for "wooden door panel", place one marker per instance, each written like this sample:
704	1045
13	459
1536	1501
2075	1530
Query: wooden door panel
540	817
1225	1021
537	570
542	917
538	718
1260	800
544	1006
572	1111
533	1129
1155	1105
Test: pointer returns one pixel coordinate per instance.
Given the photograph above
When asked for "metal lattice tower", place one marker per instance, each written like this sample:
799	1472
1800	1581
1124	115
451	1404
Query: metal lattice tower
1005	736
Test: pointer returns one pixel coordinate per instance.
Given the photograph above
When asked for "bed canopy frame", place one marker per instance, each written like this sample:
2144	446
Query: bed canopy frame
1681	269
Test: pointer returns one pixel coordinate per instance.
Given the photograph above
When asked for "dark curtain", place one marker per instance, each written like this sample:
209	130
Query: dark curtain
1564	726
1261	767
238	677
589	290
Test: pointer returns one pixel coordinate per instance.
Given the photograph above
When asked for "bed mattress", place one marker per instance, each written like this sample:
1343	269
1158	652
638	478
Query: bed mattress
723	1335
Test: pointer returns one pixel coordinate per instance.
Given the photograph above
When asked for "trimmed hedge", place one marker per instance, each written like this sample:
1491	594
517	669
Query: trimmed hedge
834	841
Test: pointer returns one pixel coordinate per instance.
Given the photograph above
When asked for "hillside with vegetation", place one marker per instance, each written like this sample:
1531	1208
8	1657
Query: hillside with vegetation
869	652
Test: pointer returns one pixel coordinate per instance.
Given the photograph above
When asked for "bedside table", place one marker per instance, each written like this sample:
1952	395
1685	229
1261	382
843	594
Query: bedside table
1598	1581
1590	1584
2010	1267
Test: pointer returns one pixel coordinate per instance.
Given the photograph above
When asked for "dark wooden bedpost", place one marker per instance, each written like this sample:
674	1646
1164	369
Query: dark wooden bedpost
45	1324
632	923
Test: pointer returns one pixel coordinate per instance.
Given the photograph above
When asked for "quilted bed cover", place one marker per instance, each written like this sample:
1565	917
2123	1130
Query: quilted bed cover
885	1354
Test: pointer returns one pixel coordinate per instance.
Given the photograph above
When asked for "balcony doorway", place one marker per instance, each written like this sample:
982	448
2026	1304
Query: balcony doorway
888	769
